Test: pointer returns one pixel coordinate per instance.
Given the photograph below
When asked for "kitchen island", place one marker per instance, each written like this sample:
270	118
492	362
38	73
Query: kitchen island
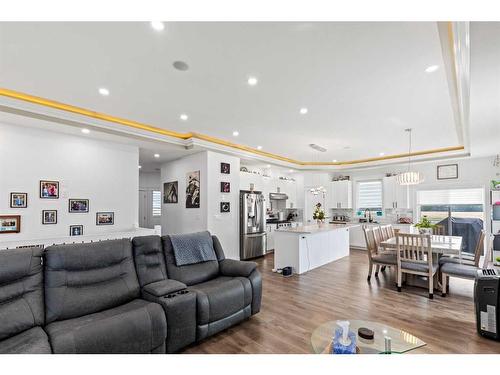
310	246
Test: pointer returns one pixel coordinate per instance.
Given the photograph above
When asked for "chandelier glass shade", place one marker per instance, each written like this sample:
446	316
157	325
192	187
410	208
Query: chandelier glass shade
409	177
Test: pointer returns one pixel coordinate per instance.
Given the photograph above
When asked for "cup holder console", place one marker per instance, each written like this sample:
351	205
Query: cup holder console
172	295
183	292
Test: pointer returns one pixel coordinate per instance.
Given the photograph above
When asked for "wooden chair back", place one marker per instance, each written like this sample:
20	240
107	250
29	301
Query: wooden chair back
479	247
438	230
377	233
387	232
371	244
414	248
488	257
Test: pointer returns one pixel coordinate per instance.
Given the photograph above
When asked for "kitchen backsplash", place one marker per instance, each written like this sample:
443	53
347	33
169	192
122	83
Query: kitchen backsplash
387	215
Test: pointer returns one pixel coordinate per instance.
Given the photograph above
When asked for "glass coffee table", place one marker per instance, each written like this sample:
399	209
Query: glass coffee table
401	341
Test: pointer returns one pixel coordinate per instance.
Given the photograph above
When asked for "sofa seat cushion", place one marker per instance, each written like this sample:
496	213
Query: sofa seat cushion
32	341
136	327
221	297
460	270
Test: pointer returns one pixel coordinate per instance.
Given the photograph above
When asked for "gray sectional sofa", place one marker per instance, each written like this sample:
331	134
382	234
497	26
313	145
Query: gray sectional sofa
119	296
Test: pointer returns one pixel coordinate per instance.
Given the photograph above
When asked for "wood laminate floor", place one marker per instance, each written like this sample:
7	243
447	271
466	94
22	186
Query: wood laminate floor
293	307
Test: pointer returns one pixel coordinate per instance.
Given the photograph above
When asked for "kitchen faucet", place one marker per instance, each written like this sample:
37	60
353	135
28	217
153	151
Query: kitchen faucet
369	215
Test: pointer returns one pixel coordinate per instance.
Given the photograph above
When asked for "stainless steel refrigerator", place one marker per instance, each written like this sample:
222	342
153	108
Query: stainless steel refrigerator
252	224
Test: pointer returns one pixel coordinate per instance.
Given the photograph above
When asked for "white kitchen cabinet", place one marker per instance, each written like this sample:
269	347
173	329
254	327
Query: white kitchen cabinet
270	228
395	195
357	237
340	194
251	178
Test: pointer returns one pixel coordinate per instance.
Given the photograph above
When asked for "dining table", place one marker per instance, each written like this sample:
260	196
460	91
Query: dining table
440	245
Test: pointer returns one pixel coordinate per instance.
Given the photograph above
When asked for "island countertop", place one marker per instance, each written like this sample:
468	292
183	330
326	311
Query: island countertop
316	228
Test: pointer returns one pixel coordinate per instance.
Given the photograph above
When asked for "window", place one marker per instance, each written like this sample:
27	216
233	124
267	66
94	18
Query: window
370	195
465	203
156	203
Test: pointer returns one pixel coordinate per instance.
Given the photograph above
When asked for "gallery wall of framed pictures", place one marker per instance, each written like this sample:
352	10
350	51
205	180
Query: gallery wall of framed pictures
48	190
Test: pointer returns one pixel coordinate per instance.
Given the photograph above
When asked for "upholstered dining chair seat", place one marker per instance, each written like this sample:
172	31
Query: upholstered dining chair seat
419	267
389	259
461	270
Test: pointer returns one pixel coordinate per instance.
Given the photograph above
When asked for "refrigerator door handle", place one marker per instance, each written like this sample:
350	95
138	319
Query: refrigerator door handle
255	235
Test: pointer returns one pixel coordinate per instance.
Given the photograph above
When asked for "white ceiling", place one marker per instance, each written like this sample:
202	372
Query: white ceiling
363	83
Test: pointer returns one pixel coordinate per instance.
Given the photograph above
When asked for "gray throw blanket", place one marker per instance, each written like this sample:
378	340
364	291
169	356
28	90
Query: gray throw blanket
192	248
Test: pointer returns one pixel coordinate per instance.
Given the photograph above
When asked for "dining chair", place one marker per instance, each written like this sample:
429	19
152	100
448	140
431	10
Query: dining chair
386	231
375	258
414	256
463	270
438	230
469	259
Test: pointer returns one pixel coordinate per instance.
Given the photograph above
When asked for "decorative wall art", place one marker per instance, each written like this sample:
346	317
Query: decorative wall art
193	189
170	192
10	224
225	168
105	218
49	217
18	200
49	189
78	205
447	172
76	230
225	187
225	207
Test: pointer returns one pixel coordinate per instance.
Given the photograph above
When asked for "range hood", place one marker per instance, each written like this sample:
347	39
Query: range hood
278	196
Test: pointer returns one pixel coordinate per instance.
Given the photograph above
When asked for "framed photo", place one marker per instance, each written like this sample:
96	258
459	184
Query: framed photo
78	205
105	218
49	189
10	224
170	192
76	230
447	172
225	168
225	187
18	200
193	189
49	217
225	207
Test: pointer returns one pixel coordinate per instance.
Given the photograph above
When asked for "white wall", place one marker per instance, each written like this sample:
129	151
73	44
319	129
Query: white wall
176	218
150	180
105	173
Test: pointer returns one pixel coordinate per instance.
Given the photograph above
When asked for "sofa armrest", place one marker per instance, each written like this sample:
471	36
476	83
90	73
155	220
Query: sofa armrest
231	267
164	287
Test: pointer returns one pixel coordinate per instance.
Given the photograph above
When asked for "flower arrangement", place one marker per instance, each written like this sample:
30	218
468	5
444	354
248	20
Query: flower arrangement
425	226
319	213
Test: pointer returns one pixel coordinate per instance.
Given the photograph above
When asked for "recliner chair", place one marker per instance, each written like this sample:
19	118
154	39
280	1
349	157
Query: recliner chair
92	300
21	302
227	291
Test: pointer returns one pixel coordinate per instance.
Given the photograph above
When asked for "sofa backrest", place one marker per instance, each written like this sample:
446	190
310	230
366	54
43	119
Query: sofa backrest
192	273
21	290
81	279
149	259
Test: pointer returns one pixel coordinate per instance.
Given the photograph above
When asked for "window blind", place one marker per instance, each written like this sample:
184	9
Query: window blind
156	203
370	194
451	196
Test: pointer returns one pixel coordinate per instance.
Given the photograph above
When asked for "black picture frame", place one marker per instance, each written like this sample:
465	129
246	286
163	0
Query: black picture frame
101	220
171	192
10	224
73	202
225	168
447	172
12	197
225	187
193	189
49	189
44	221
225	207
76	230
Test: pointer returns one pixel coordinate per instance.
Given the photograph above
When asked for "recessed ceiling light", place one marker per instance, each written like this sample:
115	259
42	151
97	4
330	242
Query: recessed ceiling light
334	160
85	131
181	65
252	81
156	155
382	154
303	111
291	170
183	117
236	133
431	68
103	91
157	25
268	166
140	166
259	147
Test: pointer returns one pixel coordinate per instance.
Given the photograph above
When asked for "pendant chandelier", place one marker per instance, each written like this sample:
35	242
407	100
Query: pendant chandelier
410	177
317	188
